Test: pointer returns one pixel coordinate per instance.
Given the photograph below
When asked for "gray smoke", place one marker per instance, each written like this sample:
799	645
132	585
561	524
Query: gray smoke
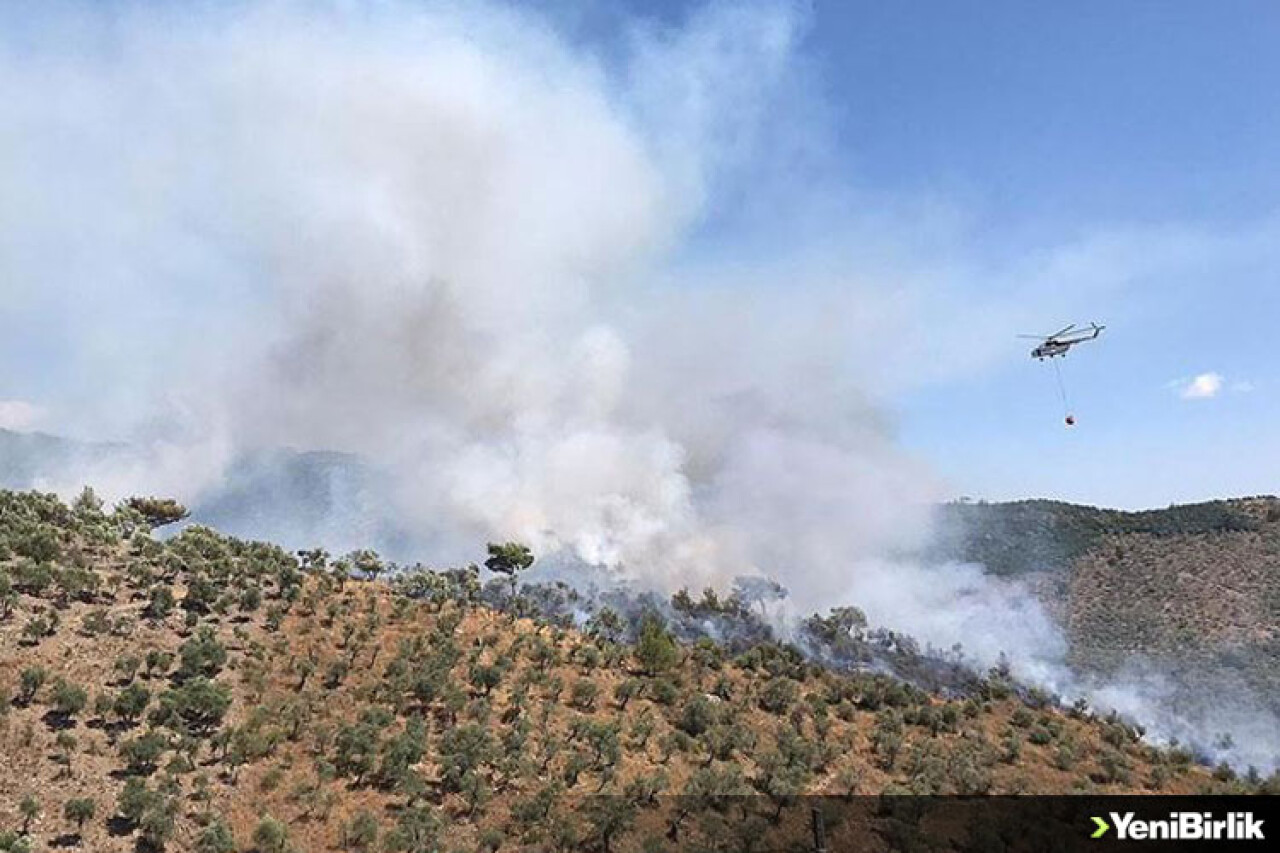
451	244
594	301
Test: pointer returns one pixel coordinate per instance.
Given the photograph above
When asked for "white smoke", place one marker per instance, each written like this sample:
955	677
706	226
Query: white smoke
19	415
494	265
447	241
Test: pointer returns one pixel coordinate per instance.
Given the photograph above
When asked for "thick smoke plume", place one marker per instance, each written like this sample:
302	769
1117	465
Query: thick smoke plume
604	301
454	246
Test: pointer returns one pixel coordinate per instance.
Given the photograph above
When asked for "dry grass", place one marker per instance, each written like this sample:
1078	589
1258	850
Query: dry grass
285	689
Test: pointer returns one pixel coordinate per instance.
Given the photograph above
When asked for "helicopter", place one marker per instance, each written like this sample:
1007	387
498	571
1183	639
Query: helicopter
1059	343
1063	340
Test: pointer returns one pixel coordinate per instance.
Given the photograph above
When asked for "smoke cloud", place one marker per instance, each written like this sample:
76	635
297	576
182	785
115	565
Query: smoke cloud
607	302
19	415
450	243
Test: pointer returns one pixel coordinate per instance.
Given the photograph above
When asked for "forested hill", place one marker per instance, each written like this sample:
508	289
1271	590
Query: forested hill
1192	591
1019	537
211	694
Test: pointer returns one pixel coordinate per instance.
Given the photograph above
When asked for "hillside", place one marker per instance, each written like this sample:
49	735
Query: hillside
1021	537
27	458
1193	590
207	693
297	497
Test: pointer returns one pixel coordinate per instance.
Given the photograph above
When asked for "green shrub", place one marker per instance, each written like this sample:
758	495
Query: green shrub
270	836
778	695
655	649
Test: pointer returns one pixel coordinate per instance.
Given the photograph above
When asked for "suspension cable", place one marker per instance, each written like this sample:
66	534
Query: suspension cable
1062	390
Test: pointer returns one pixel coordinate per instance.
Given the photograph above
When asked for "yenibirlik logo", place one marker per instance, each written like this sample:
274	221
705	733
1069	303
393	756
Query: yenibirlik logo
1183	826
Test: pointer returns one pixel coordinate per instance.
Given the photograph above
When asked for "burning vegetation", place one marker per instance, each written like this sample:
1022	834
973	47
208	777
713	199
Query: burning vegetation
207	693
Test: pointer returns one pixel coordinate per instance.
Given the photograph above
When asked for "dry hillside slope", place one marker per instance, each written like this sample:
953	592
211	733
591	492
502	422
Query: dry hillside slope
1193	590
205	693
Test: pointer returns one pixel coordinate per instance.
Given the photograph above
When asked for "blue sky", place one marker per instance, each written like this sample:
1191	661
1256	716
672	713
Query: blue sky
1053	120
1152	128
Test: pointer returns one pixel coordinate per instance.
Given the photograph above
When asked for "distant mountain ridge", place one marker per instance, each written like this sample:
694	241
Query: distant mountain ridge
28	457
300	498
1027	536
1192	591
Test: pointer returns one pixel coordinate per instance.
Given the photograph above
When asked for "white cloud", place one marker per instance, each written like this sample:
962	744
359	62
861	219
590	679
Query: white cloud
1206	386
1201	387
19	414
